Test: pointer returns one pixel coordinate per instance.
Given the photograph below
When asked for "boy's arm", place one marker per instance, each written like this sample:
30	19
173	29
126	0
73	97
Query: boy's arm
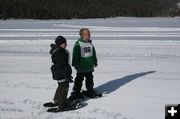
76	55
62	69
60	60
94	57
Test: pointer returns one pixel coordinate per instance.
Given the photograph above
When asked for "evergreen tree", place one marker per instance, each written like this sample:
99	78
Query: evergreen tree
67	9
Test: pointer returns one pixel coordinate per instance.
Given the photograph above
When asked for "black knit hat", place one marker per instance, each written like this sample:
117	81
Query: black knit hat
60	40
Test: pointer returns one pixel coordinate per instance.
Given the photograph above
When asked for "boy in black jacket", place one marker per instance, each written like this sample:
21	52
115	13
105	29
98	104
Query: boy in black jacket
61	71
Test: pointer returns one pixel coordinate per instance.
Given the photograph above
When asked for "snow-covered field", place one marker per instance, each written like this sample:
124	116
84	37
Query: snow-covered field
138	70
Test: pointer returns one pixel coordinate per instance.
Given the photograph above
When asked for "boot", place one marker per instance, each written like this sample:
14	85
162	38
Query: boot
76	96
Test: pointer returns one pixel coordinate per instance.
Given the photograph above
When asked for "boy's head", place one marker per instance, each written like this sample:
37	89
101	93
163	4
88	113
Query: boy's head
85	34
60	41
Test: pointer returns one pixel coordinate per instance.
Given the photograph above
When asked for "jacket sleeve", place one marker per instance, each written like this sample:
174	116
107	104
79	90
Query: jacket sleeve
94	57
60	60
76	55
58	69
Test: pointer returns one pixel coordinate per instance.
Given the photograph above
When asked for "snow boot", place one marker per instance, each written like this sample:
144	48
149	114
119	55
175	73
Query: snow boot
91	94
67	107
75	96
50	104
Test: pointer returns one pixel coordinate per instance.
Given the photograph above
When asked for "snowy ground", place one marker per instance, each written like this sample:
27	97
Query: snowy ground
138	69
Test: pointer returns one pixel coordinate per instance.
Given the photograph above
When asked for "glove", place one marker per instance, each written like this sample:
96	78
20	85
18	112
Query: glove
95	64
69	79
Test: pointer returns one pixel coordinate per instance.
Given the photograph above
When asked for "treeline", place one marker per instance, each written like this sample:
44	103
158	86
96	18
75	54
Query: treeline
68	9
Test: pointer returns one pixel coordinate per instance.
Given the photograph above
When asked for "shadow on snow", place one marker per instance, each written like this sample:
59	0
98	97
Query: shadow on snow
113	85
117	83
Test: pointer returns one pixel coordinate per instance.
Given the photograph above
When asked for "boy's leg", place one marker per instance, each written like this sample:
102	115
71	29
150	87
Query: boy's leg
56	95
89	81
78	82
77	87
89	86
61	94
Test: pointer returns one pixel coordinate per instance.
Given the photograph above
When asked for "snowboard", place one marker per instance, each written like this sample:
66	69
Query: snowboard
49	104
95	95
84	95
75	105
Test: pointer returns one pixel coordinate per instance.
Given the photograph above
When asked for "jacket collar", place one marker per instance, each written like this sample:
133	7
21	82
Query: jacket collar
54	48
80	39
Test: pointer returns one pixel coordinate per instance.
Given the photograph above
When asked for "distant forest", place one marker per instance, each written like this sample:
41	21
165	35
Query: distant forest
68	9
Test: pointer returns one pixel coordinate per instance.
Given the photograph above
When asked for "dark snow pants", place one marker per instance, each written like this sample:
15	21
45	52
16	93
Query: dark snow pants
79	80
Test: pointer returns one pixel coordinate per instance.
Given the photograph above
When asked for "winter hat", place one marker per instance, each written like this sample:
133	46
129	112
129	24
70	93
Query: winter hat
60	40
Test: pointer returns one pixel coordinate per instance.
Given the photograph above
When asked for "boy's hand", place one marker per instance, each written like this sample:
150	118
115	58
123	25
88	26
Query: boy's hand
69	79
95	64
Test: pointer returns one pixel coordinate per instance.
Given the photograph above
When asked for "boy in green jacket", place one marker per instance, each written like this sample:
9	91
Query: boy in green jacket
84	60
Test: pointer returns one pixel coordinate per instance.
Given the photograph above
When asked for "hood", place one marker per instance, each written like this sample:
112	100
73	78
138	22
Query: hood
53	49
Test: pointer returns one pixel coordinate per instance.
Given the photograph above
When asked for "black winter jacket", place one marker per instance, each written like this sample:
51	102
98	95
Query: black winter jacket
60	59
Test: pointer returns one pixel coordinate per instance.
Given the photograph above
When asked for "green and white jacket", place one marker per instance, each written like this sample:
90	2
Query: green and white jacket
84	56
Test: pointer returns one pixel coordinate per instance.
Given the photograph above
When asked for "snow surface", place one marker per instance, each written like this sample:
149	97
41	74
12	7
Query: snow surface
138	70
